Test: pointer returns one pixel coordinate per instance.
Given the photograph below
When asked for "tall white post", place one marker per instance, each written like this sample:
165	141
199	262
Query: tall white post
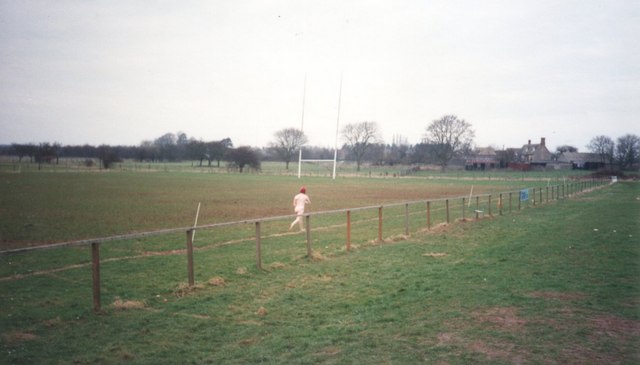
304	95
335	149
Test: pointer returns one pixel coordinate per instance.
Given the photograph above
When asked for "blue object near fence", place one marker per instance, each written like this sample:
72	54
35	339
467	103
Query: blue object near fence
524	195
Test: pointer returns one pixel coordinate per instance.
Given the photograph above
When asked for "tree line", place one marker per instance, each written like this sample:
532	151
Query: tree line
444	140
169	147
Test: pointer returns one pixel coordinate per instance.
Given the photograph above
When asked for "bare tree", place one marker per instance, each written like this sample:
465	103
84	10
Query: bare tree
603	146
23	150
243	156
566	148
108	156
216	150
360	137
149	151
196	150
628	150
166	147
449	136
288	142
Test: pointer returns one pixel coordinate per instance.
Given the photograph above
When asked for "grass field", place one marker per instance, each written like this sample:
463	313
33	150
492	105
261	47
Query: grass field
43	207
554	283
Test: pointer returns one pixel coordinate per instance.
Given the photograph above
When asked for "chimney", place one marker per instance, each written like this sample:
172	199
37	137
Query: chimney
542	141
529	141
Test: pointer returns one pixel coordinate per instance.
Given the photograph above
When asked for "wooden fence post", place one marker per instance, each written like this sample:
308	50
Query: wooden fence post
540	201
95	257
510	193
258	247
308	226
190	257
380	224
490	206
533	196
429	215
463	208
348	230
447	202
406	219
500	204
547	192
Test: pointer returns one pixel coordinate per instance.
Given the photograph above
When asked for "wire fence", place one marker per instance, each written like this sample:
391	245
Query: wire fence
332	231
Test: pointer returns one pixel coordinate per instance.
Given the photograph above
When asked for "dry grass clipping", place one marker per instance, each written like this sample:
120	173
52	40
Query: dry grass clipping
434	254
217	281
120	304
53	322
317	256
396	238
183	289
277	265
241	271
261	312
18	336
558	295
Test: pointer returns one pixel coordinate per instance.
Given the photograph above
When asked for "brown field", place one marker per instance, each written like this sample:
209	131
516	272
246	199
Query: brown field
37	208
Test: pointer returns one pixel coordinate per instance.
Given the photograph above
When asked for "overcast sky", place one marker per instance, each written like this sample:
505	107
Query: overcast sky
120	72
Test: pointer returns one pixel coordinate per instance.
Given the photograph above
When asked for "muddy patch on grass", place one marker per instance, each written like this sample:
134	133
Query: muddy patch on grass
249	341
558	295
502	317
578	354
616	328
309	280
499	351
619	336
329	351
18	337
262	311
602	339
445	338
496	350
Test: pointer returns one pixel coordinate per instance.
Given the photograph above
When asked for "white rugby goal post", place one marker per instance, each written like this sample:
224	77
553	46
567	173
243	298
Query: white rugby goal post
335	147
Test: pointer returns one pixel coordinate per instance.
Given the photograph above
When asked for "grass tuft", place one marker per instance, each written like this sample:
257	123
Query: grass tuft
119	304
217	281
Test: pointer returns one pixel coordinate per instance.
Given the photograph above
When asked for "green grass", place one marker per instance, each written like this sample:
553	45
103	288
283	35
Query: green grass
548	284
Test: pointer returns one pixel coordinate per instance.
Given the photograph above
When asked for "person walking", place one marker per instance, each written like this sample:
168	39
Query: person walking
299	201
